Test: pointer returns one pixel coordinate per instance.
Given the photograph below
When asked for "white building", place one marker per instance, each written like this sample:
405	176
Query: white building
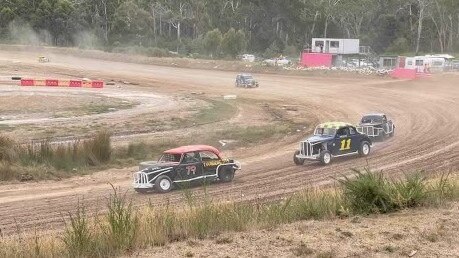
335	46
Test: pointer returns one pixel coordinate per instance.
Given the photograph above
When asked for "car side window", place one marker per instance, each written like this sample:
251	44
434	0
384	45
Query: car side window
342	132
207	155
351	131
191	157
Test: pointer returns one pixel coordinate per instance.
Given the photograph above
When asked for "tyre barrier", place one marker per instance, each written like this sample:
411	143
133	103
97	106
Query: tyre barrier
62	83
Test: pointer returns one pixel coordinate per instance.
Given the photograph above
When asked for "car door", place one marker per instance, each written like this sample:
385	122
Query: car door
343	142
210	162
190	167
355	138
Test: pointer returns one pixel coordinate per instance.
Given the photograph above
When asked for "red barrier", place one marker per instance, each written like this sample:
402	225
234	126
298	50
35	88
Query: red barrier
74	83
402	73
62	83
27	82
97	84
52	83
316	59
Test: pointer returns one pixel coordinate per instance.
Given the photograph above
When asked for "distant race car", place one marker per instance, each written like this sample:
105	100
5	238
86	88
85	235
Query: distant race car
246	81
184	164
331	140
43	59
376	126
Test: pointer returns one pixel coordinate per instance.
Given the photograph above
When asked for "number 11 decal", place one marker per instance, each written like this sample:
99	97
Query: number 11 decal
345	144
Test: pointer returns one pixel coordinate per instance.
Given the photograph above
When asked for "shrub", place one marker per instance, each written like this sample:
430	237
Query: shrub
367	192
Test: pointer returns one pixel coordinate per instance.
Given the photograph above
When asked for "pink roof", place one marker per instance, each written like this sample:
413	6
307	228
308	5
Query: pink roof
192	148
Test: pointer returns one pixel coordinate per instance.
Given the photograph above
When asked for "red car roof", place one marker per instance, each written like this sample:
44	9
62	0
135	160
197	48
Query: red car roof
192	148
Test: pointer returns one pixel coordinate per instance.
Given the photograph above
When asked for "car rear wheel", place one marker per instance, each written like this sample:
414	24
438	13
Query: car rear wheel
364	149
226	174
163	184
393	132
325	157
297	160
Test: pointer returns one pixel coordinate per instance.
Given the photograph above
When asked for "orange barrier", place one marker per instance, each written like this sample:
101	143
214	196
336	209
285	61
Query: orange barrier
62	83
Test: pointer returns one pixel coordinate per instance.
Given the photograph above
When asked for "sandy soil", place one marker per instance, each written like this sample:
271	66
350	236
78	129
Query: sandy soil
415	233
425	113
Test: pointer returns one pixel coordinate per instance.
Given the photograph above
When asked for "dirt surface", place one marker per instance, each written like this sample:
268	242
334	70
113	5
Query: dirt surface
415	233
425	113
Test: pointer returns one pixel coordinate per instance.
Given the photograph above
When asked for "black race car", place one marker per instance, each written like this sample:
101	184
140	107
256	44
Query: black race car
246	81
376	126
184	164
330	140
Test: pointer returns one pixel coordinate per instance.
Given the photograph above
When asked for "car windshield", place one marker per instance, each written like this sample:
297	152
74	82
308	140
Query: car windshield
168	158
247	78
325	131
372	119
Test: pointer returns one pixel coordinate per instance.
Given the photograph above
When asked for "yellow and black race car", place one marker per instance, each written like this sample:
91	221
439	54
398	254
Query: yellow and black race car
331	140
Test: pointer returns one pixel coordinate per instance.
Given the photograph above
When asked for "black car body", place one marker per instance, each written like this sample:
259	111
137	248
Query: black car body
184	164
246	81
330	140
376	125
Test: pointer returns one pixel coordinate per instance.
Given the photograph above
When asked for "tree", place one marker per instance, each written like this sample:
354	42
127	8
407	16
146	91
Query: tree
212	41
233	42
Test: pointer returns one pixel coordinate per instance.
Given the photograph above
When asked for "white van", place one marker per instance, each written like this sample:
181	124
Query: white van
248	58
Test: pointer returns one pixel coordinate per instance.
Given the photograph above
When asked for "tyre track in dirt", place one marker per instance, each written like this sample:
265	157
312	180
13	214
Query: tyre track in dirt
425	113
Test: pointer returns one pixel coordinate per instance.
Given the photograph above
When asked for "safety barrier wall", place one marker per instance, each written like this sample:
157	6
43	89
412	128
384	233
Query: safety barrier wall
62	83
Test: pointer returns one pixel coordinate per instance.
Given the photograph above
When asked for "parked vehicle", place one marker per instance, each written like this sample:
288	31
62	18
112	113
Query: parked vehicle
248	58
184	164
332	140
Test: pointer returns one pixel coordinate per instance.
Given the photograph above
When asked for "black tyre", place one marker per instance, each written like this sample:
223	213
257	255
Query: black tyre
296	160
364	148
226	174
163	184
325	157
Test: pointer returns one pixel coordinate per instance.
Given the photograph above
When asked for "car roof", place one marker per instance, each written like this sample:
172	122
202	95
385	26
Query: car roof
245	74
193	148
334	125
374	114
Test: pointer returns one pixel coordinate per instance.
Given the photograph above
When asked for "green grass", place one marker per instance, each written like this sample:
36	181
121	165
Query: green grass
45	160
123	229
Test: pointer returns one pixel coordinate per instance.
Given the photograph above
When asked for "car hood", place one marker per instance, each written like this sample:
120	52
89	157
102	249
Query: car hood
370	124
154	166
319	138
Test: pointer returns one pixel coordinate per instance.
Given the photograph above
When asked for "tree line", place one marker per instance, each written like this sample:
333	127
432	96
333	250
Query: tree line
228	27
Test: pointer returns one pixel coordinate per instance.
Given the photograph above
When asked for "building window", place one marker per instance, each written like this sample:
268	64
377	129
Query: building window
319	43
419	62
388	62
410	62
334	44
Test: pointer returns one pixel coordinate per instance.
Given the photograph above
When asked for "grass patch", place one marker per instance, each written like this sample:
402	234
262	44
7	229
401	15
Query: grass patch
44	160
123	229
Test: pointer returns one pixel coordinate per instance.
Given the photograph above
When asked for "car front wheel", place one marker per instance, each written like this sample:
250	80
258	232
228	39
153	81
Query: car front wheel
364	149
297	160
325	157
163	184
226	174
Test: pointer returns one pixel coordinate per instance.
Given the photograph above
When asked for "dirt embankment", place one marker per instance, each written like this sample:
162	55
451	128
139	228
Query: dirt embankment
411	233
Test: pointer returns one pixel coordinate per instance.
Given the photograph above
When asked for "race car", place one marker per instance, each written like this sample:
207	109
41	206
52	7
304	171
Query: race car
331	140
181	165
43	59
376	125
246	81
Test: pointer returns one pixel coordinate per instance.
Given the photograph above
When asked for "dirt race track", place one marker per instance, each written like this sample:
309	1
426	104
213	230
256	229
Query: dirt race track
426	114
